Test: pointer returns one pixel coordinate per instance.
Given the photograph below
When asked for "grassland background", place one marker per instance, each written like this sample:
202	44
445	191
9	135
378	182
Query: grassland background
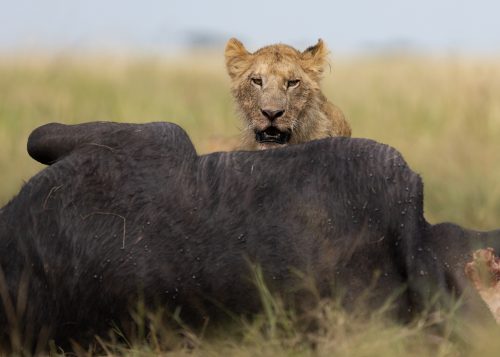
443	114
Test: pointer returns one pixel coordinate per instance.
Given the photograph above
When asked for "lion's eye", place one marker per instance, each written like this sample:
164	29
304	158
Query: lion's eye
257	81
292	83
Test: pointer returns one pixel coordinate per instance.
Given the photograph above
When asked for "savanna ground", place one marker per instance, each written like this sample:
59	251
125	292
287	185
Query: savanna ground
443	114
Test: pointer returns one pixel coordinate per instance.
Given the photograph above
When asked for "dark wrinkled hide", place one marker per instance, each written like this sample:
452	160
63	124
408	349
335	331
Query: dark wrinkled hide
131	210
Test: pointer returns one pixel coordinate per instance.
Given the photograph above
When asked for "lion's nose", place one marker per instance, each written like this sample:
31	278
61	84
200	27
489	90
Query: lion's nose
272	114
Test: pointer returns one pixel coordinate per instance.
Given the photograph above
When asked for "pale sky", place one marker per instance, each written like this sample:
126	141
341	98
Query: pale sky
163	25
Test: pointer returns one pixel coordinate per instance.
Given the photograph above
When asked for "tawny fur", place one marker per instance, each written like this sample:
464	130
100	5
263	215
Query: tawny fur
308	115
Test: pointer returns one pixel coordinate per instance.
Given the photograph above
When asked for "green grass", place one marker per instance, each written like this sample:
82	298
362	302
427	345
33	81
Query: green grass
443	114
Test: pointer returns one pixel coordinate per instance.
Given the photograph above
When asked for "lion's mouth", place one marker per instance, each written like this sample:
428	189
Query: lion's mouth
272	135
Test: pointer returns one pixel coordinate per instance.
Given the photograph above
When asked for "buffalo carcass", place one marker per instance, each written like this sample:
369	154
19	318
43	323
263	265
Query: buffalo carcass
128	211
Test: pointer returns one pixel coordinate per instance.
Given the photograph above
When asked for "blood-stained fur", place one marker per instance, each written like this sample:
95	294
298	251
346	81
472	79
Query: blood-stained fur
277	92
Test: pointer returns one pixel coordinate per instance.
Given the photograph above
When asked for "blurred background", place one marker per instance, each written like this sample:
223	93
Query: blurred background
422	76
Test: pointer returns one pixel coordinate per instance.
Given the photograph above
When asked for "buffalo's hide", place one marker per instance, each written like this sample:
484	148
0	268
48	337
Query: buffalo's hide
131	211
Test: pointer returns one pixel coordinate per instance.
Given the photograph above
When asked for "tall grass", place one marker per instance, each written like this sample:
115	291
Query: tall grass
443	114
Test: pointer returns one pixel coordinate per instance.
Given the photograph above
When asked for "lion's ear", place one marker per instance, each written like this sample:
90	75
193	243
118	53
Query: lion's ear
315	58
236	57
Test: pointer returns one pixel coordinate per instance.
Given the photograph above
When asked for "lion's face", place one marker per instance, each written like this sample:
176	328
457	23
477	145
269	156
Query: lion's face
273	87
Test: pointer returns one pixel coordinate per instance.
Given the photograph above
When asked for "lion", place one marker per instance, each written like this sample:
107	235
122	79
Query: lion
277	91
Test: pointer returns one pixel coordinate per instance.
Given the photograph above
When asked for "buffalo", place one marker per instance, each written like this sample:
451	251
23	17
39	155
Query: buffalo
129	212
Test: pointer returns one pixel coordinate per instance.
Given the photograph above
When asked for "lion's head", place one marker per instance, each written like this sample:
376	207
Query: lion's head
275	88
